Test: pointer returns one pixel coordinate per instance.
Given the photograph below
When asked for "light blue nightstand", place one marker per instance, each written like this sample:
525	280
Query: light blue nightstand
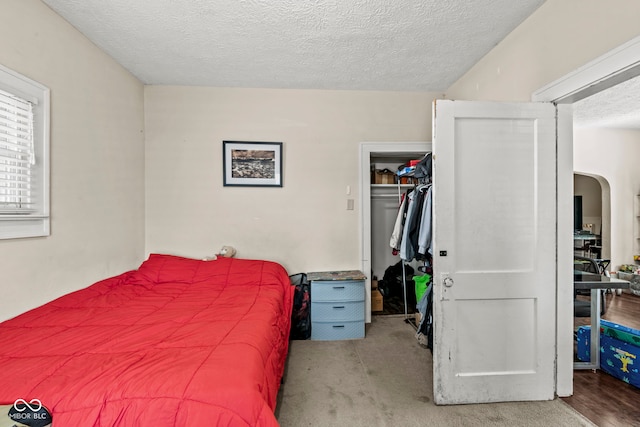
337	305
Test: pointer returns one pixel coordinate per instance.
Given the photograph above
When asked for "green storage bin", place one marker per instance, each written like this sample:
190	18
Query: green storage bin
422	282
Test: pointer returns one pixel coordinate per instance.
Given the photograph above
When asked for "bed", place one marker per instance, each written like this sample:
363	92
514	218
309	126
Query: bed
177	342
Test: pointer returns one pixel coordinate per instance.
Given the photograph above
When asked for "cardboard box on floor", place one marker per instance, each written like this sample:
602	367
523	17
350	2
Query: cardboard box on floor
376	300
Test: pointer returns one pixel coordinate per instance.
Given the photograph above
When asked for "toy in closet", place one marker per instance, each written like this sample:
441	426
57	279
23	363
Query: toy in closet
411	239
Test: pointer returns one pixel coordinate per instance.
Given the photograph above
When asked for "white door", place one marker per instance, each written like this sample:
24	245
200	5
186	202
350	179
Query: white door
494	251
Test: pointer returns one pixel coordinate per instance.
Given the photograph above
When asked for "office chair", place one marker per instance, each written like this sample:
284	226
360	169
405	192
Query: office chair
583	308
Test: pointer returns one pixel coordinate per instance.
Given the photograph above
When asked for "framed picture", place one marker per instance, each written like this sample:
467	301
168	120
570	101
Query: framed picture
252	164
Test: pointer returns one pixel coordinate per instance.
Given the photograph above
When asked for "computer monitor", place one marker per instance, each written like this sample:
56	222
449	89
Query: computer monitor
577	213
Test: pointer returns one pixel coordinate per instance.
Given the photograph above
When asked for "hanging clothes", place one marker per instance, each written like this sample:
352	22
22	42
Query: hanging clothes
412	238
396	234
425	238
407	251
417	226
424	334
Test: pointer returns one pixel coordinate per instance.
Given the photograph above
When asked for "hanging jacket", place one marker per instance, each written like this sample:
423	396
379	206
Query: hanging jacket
396	234
407	251
426	235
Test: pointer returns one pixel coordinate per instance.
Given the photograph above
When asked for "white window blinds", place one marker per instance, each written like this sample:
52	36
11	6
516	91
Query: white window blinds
17	155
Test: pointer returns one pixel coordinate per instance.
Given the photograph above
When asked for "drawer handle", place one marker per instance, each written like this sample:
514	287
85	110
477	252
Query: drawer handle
338	287
338	326
338	306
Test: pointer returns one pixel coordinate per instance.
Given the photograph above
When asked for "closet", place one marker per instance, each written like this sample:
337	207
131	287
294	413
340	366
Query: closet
385	199
379	204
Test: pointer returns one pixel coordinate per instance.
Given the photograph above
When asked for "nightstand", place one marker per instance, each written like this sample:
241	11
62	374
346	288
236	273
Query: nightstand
337	305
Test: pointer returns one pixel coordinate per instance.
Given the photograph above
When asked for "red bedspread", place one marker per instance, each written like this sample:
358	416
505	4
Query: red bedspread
178	342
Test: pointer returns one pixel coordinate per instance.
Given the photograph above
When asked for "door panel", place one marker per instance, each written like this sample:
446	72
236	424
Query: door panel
505	219
482	322
495	253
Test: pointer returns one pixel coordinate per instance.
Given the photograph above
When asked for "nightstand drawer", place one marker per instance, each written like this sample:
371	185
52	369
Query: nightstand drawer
343	290
329	331
337	311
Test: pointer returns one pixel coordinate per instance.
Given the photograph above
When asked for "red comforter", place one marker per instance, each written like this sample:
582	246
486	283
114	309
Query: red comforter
178	342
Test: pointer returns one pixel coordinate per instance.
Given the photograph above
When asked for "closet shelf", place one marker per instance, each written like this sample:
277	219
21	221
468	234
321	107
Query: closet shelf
390	186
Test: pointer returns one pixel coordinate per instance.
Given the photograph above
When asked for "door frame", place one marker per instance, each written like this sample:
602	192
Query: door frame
366	150
610	69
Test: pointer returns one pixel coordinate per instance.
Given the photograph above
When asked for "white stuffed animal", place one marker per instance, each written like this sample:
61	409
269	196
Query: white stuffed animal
227	252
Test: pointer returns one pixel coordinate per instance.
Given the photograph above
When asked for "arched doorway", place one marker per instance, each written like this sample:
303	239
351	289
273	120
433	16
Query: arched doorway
595	193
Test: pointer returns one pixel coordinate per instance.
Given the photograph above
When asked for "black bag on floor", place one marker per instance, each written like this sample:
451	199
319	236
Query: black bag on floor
301	314
391	284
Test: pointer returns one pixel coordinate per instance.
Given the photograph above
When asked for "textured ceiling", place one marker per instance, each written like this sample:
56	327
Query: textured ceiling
413	45
616	107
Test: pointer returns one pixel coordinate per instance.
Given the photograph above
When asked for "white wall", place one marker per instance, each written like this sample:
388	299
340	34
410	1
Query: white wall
589	188
97	166
559	37
613	154
304	225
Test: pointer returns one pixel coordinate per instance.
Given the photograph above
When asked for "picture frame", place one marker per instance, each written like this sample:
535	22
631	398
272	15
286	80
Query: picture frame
252	164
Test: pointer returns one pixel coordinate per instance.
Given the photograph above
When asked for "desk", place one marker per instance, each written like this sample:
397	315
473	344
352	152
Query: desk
595	283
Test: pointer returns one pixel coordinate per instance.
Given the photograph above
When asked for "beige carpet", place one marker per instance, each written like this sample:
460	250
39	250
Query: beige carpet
386	380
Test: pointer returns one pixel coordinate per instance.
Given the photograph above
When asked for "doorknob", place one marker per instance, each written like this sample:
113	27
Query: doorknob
446	292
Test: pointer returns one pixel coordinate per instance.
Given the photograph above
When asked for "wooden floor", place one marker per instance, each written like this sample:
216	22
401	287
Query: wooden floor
605	400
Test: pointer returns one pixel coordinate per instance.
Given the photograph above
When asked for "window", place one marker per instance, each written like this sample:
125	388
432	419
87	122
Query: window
24	156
